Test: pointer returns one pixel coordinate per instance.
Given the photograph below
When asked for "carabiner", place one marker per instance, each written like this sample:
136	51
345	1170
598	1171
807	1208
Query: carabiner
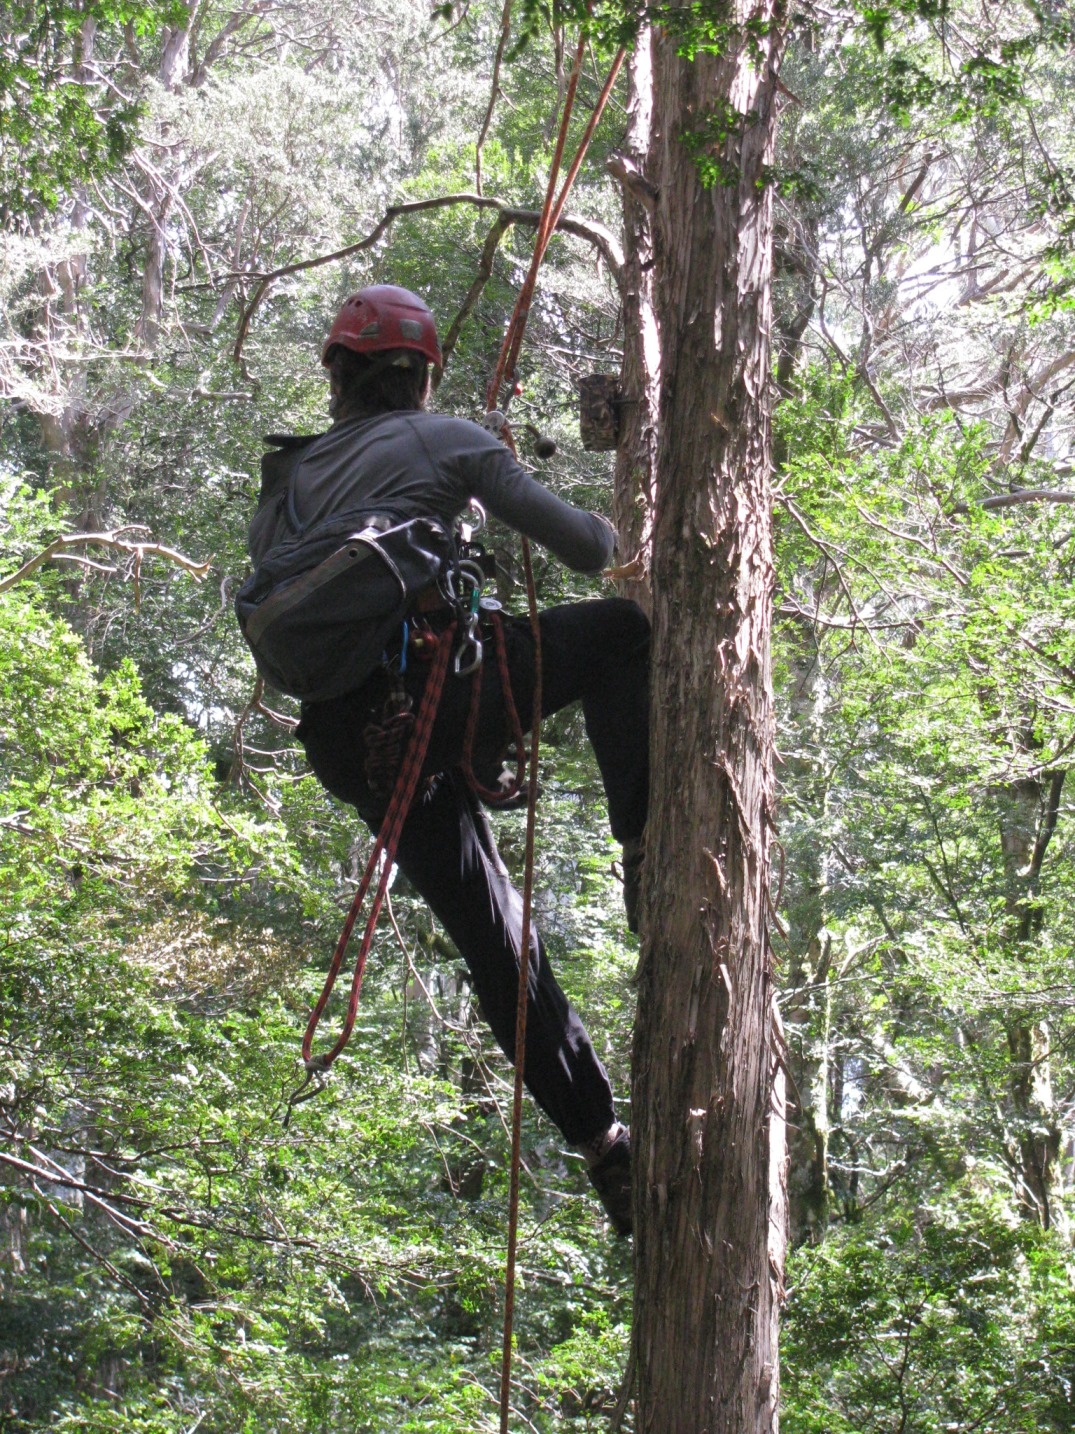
471	643
469	569
472	522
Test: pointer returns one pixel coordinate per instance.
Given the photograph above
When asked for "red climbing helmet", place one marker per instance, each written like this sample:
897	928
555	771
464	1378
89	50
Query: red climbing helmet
384	317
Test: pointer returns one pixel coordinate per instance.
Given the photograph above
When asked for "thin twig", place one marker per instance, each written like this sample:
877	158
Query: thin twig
94	1254
494	91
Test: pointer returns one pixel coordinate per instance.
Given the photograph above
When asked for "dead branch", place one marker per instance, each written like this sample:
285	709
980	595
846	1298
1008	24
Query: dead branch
1021	495
1026	495
485	268
115	543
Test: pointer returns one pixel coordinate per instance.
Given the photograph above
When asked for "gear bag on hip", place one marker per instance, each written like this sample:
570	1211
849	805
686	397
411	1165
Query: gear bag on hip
323	601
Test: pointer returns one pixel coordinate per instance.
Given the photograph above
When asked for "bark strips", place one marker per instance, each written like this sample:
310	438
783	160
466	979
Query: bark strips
710	1210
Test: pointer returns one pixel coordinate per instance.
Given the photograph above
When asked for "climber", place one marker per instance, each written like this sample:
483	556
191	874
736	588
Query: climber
385	450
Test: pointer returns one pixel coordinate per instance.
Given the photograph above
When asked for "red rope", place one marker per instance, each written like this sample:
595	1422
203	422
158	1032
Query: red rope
550	217
522	1003
584	143
386	843
505	367
509	350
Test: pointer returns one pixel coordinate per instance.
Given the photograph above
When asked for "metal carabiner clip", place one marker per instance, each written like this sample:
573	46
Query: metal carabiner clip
471	644
472	521
446	583
468	569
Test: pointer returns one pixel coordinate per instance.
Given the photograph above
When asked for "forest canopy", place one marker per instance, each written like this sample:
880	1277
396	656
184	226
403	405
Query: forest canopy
177	183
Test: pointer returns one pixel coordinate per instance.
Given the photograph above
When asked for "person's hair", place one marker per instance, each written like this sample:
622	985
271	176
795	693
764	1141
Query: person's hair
375	383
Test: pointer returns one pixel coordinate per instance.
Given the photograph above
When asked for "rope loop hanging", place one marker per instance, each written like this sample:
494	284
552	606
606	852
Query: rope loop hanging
385	846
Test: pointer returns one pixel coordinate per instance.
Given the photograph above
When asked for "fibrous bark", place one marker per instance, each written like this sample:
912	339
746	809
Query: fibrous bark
710	1208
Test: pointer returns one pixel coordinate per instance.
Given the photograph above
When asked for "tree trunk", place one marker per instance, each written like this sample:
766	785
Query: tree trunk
808	992
710	1207
1028	812
148	328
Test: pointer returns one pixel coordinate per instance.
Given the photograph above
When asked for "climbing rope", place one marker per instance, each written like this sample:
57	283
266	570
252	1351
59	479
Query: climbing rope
522	1002
551	211
505	370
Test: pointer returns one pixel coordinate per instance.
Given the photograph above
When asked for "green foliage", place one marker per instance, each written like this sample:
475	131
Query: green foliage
927	664
959	1317
192	1259
60	125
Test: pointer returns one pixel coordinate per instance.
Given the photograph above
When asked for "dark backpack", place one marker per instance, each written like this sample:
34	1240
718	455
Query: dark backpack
324	600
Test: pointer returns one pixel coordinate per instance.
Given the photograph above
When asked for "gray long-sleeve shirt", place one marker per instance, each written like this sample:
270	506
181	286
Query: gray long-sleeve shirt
429	465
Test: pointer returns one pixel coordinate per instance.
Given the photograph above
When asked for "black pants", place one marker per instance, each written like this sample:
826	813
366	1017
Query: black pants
597	652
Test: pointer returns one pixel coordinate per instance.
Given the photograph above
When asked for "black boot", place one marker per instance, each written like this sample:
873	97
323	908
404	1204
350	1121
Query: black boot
634	852
610	1176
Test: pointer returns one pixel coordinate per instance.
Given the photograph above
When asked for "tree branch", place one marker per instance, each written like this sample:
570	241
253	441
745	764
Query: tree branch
1028	495
494	91
106	540
1048	824
594	233
485	268
1021	495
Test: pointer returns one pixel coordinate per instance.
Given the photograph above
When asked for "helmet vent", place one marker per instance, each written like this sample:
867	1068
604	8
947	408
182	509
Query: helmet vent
410	328
371	331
